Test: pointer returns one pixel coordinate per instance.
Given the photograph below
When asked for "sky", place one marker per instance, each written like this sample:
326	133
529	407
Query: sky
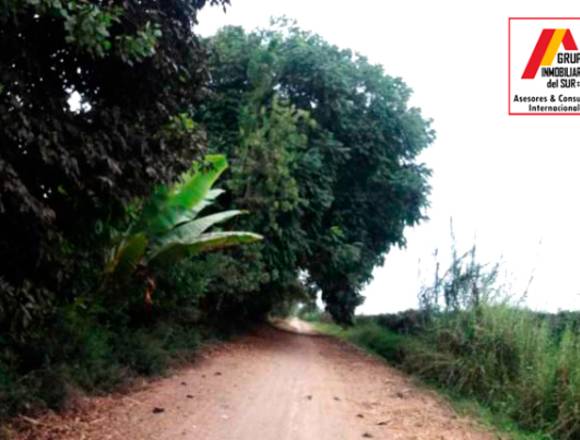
510	183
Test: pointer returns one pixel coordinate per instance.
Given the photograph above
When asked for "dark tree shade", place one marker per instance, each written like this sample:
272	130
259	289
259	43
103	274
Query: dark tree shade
138	70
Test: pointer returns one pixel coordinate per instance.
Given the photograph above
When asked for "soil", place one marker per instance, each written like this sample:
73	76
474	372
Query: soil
271	384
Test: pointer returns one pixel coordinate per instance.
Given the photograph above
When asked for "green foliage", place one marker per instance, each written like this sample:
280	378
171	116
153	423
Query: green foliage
409	322
86	25
398	349
135	68
169	207
323	149
324	145
507	359
310	312
386	344
468	340
85	352
169	227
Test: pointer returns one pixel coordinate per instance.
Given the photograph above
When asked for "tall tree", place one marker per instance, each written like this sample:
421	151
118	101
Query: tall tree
353	175
95	99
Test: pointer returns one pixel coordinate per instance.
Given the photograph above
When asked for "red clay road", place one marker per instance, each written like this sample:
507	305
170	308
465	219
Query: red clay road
268	385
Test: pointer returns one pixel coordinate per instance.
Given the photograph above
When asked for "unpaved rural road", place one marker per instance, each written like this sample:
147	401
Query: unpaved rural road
268	385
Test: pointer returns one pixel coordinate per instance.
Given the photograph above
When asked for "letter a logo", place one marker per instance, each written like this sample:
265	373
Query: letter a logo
547	48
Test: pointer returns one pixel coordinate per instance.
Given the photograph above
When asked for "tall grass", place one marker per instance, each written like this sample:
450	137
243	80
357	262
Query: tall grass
508	359
472	340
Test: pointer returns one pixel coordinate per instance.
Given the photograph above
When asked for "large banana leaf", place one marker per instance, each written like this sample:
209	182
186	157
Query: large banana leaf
127	255
206	242
168	207
188	232
168	228
207	201
194	186
218	240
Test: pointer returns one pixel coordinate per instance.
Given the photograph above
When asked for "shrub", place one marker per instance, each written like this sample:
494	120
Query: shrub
519	363
384	343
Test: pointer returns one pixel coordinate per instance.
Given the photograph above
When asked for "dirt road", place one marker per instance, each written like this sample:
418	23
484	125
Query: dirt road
270	385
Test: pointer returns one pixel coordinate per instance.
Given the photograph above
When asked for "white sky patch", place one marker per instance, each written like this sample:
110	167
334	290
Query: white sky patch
74	101
510	182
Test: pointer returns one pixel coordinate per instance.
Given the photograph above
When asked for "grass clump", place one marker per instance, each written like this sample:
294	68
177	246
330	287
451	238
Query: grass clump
521	367
89	356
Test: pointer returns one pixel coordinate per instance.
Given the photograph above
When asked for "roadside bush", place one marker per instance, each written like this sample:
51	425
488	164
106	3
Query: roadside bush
507	359
11	390
384	343
516	361
473	341
83	350
143	353
407	322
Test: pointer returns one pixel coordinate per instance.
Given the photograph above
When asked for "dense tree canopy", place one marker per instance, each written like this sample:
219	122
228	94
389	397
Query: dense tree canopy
136	71
323	146
103	105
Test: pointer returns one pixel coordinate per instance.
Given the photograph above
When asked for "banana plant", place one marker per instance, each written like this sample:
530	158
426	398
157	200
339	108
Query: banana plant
170	228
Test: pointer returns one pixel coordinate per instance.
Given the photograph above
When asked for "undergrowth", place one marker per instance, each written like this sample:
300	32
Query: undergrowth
94	360
395	348
471	340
